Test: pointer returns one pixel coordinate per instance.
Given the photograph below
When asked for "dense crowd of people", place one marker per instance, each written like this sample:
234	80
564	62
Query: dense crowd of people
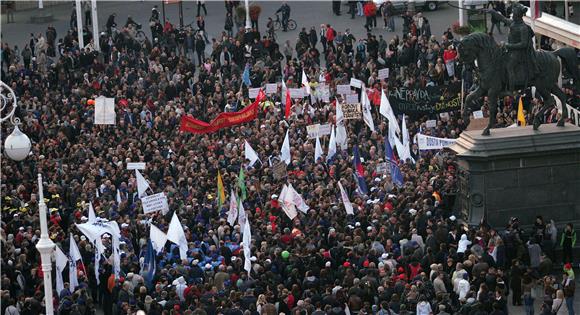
403	251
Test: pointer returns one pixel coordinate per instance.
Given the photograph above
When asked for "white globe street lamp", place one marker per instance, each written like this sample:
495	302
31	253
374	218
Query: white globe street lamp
17	145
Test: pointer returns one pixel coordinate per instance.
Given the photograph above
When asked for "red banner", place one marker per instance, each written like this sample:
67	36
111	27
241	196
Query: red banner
223	120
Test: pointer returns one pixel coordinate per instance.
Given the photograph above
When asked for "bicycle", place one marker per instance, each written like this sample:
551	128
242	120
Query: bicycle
278	23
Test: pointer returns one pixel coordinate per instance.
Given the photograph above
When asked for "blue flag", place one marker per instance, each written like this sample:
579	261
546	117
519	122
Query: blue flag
359	171
149	264
396	174
246	76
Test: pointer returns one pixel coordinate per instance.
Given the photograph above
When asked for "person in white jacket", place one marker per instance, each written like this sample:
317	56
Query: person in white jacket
463	287
463	245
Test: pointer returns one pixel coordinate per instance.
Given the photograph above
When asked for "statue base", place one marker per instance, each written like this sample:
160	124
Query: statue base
519	172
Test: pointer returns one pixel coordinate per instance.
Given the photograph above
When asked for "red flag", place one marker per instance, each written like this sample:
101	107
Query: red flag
288	104
261	96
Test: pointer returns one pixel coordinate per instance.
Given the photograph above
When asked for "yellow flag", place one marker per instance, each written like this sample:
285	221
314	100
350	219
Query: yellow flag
521	117
221	192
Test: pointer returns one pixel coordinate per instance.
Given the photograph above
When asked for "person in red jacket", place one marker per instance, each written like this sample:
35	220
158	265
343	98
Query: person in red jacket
330	35
370	11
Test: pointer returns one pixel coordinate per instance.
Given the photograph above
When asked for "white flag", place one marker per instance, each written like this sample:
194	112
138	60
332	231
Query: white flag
339	114
286	203
392	134
345	201
297	199
119	196
317	150
305	83
142	184
341	137
116	256
92	216
233	212
387	111
99	250
158	238
241	215
285	152
366	106
250	154
74	256
61	261
331	145
176	235
247	239
406	142
97	192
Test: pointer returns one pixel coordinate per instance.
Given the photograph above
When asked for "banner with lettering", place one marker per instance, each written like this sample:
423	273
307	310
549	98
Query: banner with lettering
428	100
433	143
223	120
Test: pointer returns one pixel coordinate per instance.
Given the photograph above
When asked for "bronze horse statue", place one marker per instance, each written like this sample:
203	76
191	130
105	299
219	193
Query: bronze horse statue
493	78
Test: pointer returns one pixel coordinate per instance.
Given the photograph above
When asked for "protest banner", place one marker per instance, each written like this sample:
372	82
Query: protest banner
271	88
253	92
296	93
105	111
136	165
312	131
433	143
343	89
428	100
279	170
351	111
356	83
154	203
384	73
382	168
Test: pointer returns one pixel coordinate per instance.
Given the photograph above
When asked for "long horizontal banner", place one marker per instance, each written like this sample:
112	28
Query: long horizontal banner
223	120
433	143
428	100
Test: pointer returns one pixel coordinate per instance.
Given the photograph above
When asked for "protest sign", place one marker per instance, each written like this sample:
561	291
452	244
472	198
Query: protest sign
384	73
323	93
156	202
296	93
444	116
433	143
351	111
279	170
253	92
324	130
343	89
352	99
431	123
105	111
312	131
478	114
271	88
136	165
382	168
356	83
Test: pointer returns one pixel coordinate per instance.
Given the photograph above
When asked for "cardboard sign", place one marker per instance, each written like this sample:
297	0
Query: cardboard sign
156	202
356	83
253	92
105	111
384	73
136	165
279	170
297	93
312	131
323	93
478	114
382	168
324	130
271	88
431	123
352	99
351	111
343	89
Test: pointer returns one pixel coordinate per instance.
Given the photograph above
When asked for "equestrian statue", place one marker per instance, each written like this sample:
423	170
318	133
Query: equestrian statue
516	65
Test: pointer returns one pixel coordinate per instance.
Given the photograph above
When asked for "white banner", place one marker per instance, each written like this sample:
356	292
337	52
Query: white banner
136	165
156	202
318	130
253	93
271	88
343	89
352	99
104	111
384	73
477	114
297	93
356	83
433	143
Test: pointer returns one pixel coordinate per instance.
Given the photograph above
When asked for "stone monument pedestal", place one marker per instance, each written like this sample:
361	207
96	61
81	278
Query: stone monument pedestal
519	172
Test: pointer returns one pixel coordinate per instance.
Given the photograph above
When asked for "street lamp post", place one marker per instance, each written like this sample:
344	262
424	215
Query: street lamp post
248	22
17	144
46	247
